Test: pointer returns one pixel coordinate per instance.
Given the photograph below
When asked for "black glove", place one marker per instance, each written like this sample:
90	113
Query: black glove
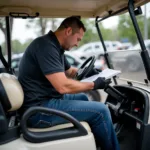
101	83
92	72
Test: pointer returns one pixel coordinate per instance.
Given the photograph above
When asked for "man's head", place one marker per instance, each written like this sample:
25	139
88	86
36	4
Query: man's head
72	31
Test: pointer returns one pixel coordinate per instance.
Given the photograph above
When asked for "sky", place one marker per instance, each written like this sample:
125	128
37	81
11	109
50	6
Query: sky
22	33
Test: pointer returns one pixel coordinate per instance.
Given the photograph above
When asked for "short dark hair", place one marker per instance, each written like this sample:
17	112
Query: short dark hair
74	22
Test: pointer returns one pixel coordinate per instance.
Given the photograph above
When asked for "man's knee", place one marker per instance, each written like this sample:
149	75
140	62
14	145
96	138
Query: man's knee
101	108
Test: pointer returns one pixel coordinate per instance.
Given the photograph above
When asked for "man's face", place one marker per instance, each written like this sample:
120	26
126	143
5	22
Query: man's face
72	39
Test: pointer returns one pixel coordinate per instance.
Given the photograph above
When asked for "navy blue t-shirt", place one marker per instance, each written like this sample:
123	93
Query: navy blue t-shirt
43	56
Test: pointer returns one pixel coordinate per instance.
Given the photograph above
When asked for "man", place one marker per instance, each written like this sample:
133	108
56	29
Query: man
45	75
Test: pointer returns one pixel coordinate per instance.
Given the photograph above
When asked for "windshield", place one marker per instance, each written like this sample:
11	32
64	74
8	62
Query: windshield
130	64
118	34
137	46
126	55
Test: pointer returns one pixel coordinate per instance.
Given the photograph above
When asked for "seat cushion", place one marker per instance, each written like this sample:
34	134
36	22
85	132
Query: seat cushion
61	126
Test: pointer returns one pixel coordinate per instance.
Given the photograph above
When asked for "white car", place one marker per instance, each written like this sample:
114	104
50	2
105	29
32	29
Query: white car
117	45
75	61
137	46
93	48
130	59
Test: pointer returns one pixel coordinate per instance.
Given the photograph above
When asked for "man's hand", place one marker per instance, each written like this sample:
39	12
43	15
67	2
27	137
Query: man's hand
92	72
101	83
71	72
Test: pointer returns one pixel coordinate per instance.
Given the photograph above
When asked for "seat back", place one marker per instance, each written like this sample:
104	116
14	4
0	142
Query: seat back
11	99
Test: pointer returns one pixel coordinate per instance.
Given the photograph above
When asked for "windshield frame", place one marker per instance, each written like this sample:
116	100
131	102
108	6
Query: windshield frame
144	53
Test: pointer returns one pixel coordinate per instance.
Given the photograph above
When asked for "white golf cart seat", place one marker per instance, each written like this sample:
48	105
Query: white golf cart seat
60	137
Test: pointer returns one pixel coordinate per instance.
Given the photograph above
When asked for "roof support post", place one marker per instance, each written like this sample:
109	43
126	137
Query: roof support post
144	52
108	62
8	40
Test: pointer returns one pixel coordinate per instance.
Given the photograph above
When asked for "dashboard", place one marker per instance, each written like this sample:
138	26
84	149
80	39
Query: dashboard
129	101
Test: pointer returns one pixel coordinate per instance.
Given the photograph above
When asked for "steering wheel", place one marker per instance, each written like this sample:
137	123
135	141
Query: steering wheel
84	69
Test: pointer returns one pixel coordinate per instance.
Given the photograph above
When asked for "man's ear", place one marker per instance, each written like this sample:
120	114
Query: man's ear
68	31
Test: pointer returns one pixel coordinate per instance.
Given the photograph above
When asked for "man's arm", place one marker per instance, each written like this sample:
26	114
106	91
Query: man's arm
64	85
71	72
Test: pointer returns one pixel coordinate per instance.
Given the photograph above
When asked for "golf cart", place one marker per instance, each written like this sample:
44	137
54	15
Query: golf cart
128	103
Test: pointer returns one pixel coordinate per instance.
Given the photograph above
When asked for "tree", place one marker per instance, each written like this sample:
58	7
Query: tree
91	34
3	29
108	34
126	29
26	44
40	25
17	47
148	21
3	45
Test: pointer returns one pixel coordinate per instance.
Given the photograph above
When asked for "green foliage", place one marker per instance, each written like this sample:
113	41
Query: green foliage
108	34
2	23
148	20
26	44
92	35
126	29
3	46
17	46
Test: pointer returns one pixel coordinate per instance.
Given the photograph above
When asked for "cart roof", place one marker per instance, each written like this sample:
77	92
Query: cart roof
64	8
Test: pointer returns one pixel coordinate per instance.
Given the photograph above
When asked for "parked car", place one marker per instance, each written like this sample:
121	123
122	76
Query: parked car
137	46
121	46
74	60
93	48
129	59
117	45
127	45
16	58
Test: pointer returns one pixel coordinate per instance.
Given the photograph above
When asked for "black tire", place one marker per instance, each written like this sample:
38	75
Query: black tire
133	63
93	96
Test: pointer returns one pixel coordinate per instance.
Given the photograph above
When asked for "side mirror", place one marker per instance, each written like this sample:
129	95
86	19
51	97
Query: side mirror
138	11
